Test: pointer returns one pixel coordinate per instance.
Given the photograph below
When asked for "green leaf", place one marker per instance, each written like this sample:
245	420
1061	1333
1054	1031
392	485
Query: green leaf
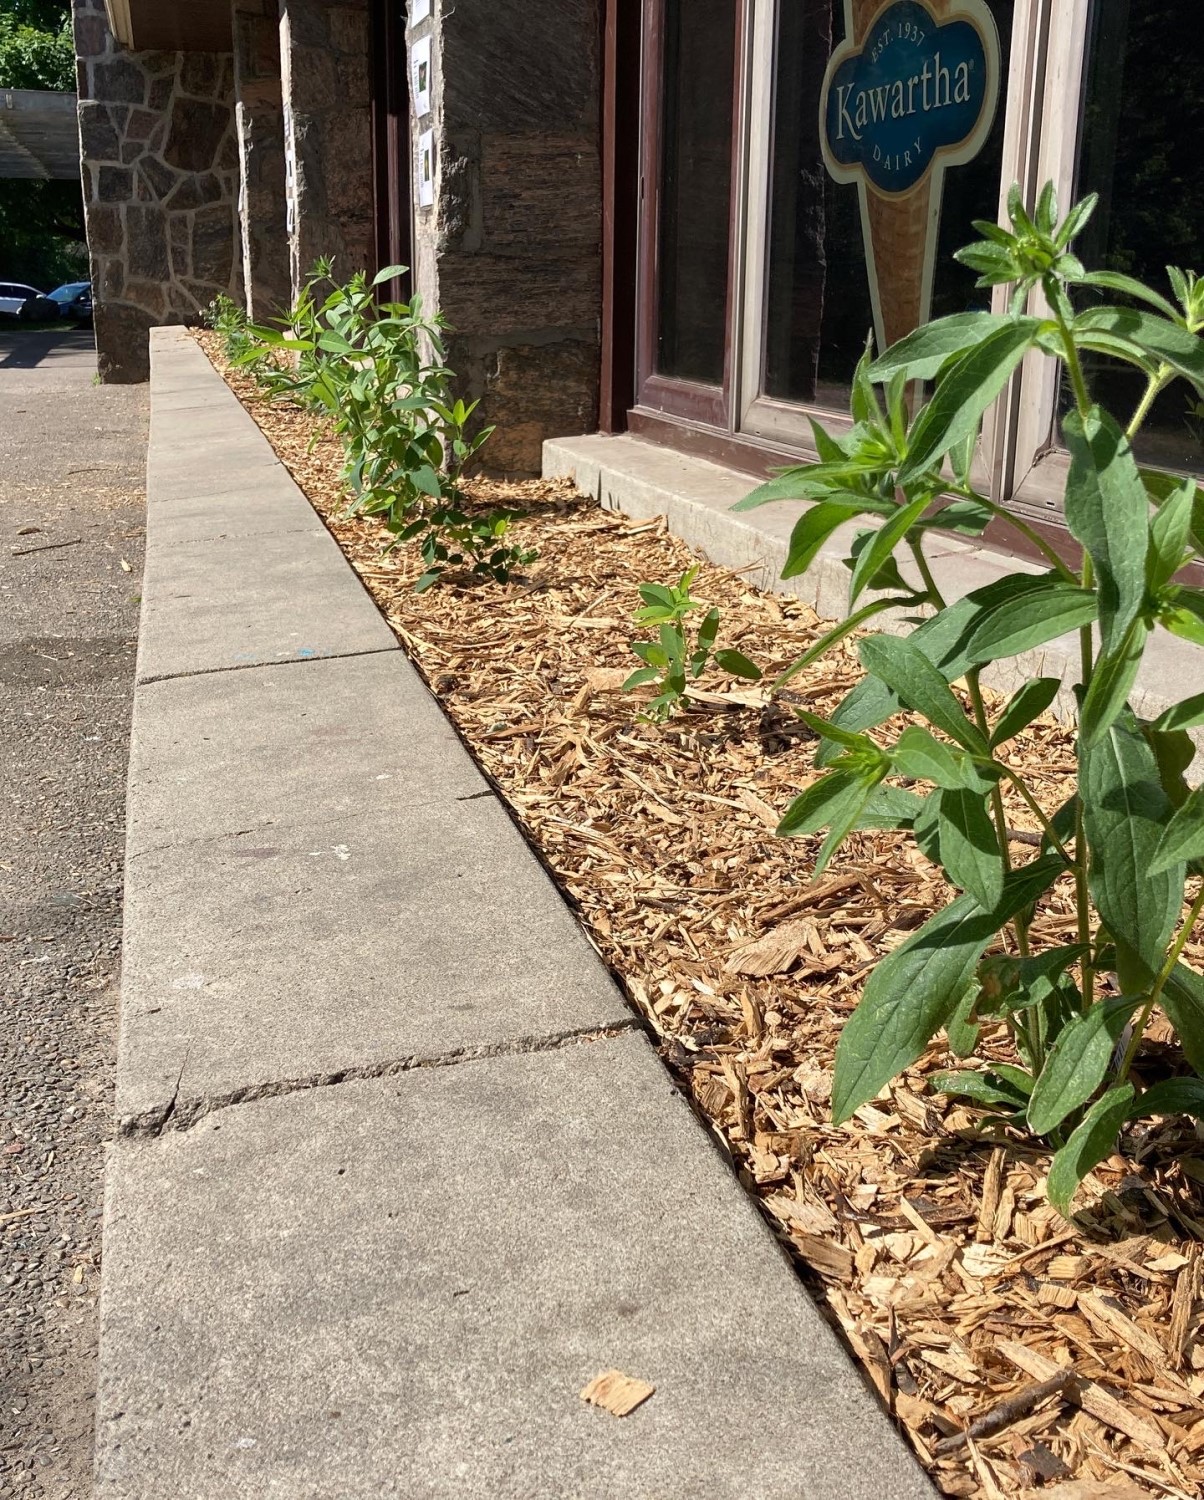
1173	1096
1182	613
1125	811
967	517
656	596
916	988
1026	704
922	354
1009	984
987	1088
1183	838
960	1029
1174	751
737	665
838	633
639	677
1090	1143
1076	220
1108	512
1128	286
1078	1063
825	801
920	756
1166	341
708	630
882	545
890	807
846	738
965	391
1111	683
390	273
908	673
426	480
1183	1000
1047	609
842	826
944	639
970	849
811	531
1169	532
1186	715
926	827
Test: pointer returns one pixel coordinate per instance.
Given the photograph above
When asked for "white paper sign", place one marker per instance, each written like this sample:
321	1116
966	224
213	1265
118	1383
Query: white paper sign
426	169
419	10
420	77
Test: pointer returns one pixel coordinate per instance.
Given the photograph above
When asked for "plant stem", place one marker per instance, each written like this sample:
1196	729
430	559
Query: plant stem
917	551
1193	916
1003	514
1034	806
1157	384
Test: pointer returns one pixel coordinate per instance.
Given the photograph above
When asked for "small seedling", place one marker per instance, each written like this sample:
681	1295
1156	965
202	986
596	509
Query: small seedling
669	661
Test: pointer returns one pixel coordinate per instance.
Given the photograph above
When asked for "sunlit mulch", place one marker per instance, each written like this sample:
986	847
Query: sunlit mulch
1069	1353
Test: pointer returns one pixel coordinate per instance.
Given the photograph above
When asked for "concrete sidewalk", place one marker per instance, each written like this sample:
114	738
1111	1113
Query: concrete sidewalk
397	1171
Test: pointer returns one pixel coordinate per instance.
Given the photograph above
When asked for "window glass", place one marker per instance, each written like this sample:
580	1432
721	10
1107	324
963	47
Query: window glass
1139	149
819	308
695	188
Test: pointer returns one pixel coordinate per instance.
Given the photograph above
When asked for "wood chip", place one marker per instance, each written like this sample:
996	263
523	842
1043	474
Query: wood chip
1086	1393
617	1393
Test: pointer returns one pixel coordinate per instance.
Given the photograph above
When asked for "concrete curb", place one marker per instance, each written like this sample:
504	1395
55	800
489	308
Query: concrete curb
696	497
397	1172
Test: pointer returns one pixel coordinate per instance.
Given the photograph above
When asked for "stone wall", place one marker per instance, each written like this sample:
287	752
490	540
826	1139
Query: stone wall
510	252
160	177
326	77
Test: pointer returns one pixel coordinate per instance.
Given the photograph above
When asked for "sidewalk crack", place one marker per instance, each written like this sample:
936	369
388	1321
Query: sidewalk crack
182	1114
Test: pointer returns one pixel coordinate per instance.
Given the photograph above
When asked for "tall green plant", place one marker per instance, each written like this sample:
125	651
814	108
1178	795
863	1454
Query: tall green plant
379	372
1128	839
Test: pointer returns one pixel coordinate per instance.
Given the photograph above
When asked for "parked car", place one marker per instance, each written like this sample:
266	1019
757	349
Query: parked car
74	300
26	302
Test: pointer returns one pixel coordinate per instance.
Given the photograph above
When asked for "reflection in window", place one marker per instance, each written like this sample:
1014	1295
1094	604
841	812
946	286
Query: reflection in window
695	188
1139	148
818	307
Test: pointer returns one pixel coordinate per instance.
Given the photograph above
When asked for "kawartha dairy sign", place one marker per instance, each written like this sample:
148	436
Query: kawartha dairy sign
912	91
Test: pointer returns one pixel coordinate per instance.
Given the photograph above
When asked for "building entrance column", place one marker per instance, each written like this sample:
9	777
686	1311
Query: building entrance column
326	72
259	115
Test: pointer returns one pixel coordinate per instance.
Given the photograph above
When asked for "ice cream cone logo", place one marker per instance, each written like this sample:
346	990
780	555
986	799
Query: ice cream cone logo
911	92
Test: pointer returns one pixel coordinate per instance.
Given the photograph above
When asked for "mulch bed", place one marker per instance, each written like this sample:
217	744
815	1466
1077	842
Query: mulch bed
1020	1354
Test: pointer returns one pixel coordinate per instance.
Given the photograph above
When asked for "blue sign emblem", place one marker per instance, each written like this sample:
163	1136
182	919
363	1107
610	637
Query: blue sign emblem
912	91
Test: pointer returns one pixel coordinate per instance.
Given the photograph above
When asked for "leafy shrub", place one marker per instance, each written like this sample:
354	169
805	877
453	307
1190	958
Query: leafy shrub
378	371
669	661
1132	833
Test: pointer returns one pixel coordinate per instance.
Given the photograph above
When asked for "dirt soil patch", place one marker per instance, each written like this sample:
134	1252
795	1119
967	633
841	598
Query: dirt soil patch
1021	1354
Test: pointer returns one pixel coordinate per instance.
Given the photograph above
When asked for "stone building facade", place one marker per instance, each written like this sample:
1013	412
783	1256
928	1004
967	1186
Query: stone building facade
255	136
161	178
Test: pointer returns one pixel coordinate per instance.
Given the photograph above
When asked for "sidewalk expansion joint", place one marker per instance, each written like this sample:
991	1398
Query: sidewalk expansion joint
258	666
181	1114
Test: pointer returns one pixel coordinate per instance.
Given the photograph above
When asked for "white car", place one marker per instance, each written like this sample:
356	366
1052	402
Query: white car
25	302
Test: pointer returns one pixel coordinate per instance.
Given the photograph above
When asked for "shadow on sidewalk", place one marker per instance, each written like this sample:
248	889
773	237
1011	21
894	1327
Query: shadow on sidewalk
26	349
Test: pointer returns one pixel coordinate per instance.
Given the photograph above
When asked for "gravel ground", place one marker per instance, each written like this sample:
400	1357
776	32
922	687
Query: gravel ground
72	458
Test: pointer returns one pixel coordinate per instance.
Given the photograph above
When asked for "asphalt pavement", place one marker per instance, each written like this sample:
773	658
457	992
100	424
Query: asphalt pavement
72	514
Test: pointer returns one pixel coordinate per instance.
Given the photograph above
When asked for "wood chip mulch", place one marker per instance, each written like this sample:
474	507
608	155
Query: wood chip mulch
1021	1355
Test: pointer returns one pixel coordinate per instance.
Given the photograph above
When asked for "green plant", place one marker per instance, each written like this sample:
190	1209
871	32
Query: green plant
228	319
671	661
1128	839
379	372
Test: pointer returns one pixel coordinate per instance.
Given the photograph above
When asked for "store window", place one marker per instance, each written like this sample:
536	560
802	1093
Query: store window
862	139
1139	149
830	242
